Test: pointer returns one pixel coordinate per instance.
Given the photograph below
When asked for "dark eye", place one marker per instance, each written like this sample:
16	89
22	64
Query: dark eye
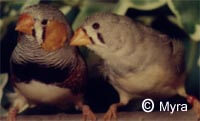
44	22
96	25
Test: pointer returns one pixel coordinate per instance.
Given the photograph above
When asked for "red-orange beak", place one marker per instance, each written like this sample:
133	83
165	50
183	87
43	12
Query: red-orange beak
55	33
80	38
25	24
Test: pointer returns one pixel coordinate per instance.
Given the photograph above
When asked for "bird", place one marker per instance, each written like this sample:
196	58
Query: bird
139	61
45	70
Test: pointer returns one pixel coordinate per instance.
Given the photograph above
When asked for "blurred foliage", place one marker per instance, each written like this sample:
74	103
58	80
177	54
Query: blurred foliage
186	13
183	13
3	81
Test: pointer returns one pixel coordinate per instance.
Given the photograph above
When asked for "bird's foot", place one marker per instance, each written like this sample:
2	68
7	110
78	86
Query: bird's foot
111	114
12	114
195	105
88	115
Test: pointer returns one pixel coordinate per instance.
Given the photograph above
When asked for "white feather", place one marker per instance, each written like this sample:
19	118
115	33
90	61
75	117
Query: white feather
45	93
38	32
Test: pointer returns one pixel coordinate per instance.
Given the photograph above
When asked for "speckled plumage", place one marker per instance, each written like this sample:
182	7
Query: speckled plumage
47	74
30	61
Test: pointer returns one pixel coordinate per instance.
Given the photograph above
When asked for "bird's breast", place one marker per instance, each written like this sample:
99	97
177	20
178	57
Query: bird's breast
153	81
39	92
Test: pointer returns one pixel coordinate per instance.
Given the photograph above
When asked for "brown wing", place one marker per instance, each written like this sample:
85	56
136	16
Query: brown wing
76	81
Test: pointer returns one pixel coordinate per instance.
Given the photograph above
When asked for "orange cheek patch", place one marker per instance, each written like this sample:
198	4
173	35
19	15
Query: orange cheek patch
55	36
25	24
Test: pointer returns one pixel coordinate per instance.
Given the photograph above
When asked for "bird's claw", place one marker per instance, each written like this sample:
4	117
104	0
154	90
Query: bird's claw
111	114
88	115
12	114
196	105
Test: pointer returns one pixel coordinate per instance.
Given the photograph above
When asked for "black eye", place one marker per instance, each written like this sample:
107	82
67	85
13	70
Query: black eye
96	25
44	22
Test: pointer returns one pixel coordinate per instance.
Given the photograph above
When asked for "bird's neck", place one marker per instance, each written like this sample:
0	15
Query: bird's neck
117	62
29	51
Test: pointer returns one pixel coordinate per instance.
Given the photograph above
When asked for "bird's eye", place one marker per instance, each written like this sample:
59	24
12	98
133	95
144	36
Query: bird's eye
44	22
96	25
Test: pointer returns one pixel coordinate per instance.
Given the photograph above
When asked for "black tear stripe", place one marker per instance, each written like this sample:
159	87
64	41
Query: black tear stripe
92	40
43	33
100	38
84	31
33	32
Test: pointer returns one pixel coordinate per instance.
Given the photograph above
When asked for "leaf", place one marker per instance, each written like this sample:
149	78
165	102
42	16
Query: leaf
3	82
12	12
89	8
65	10
5	22
1	23
198	61
124	5
147	20
187	14
196	34
72	2
29	3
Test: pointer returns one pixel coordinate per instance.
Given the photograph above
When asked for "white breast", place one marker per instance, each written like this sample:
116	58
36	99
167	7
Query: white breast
44	93
152	82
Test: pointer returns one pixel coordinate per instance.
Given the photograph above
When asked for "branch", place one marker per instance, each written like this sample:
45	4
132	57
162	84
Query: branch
122	116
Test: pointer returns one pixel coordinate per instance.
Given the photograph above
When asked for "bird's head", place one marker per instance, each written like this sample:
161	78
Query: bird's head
46	24
103	33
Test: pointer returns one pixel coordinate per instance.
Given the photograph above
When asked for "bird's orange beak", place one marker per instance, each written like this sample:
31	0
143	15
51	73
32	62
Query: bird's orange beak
80	38
25	24
55	32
